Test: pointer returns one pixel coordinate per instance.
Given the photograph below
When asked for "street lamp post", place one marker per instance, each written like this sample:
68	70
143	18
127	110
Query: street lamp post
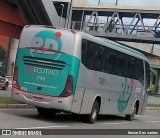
61	15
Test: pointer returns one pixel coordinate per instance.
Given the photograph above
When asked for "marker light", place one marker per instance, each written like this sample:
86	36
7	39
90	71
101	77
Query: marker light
58	34
68	90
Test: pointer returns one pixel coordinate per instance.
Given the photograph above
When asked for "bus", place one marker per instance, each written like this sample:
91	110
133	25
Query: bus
61	70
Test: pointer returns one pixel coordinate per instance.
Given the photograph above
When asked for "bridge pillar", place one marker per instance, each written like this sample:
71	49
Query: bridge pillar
11	21
12	56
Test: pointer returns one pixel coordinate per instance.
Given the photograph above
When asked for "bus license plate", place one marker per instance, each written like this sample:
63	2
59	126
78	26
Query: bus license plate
37	99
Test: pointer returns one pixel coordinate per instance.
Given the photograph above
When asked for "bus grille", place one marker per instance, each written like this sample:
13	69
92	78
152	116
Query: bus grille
42	62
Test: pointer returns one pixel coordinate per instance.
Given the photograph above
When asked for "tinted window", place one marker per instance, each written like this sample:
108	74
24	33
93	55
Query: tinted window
139	71
99	58
109	61
147	74
130	67
92	55
120	64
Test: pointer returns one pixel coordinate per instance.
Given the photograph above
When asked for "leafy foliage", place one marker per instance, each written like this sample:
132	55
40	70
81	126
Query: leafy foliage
3	59
3	53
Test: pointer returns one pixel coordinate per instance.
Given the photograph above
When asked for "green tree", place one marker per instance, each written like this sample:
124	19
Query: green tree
3	59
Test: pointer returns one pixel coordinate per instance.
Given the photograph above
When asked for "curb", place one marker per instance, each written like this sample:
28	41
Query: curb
20	106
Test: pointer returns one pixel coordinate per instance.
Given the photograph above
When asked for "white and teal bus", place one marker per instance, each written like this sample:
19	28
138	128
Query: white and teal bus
65	70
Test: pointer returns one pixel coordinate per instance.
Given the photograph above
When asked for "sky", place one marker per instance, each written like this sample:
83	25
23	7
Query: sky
147	3
82	1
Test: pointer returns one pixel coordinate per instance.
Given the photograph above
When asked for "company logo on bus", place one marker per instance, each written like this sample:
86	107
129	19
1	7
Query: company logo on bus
46	39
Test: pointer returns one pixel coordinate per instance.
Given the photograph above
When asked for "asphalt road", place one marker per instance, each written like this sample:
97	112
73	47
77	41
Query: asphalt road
29	119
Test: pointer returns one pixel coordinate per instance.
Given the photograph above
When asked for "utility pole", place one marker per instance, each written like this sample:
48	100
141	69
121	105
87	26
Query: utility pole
99	1
116	2
61	16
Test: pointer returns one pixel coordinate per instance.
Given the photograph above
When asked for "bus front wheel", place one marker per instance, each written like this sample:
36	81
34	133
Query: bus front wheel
91	118
132	116
45	112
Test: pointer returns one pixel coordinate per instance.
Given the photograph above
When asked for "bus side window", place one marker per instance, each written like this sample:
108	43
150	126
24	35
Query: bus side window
87	54
92	55
147	74
140	71
130	71
120	65
84	51
98	60
89	57
106	65
111	61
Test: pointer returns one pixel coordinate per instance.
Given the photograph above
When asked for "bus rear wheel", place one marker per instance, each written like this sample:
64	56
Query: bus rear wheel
132	116
91	118
45	112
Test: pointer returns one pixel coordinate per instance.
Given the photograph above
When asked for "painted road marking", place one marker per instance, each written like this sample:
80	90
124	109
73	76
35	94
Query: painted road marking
148	116
153	121
115	123
152	110
42	127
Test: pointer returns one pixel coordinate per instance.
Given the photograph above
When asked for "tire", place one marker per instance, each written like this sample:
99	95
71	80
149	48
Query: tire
132	116
5	86
92	117
45	112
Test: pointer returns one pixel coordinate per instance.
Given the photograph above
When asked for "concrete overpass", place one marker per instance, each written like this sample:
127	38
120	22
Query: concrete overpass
121	23
11	20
